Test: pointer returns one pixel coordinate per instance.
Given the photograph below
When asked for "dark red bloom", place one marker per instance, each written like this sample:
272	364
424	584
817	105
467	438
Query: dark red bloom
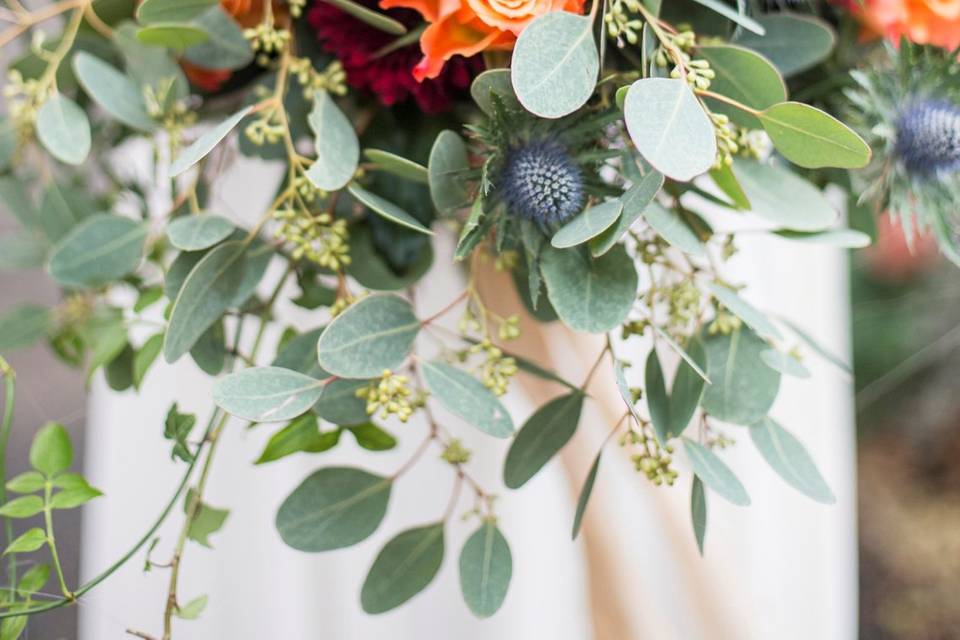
388	75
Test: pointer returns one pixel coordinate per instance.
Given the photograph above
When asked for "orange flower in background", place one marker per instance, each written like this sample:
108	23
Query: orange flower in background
467	27
933	22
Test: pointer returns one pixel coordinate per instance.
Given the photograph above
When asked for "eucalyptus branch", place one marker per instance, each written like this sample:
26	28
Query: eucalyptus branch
28	20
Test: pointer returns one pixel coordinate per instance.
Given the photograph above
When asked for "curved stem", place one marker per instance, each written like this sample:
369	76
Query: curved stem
10	383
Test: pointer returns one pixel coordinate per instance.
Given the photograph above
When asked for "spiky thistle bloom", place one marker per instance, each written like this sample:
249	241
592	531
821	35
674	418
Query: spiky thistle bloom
928	137
909	112
541	182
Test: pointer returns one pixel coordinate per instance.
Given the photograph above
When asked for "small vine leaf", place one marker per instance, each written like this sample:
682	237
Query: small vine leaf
51	451
334	507
403	568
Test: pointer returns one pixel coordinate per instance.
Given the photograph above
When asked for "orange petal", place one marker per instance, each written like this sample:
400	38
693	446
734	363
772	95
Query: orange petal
449	37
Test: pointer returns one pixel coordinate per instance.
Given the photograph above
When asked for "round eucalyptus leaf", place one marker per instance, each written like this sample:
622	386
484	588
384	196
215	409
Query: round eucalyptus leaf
336	144
403	568
789	458
494	82
670	128
225	48
745	76
192	233
266	394
793	42
486	567
300	354
101	249
63	129
555	64
333	508
464	396
448	160
372	335
715	473
743	387
592	295
784	198
587	225
813	139
541	437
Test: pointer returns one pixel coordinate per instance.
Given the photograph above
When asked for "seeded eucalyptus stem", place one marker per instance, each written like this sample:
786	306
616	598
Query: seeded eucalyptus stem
10	385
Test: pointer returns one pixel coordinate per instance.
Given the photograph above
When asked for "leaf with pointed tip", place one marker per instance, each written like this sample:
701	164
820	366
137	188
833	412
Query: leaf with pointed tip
715	474
101	249
635	202
812	138
397	165
206	143
658	403
698	512
403	568
585	495
587	225
787	456
745	311
486	567
687	389
541	437
387	210
333	508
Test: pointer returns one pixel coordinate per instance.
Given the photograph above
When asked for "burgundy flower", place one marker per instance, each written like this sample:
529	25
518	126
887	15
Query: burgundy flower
359	47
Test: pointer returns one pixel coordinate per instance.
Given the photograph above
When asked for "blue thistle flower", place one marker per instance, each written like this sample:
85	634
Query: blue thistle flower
542	183
928	137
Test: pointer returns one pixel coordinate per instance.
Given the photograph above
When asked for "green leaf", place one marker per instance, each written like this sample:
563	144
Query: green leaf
403	568
624	388
369	267
205	143
192	233
745	311
473	231
585	495
541	437
687	389
840	238
333	508
397	165
63	129
206	520
177	427
24	325
494	82
24	507
302	434
635	202
671	227
465	397
793	42
587	224
145	356
727	182
555	64
788	457
670	128
745	76
698	512
590	295
784	363
373	334
8	143
193	609
658	403
733	15
74	497
448	160
225	48
26	482
486	567
266	394
300	354
51	451
171	35
695	364
61	209
715	474
743	388
119	96
387	210
782	197
31	540
33	579
22	250
101	249
811	138
12	628
17	201
172	10
373	18
372	438
209	290
339	403
817	348
336	144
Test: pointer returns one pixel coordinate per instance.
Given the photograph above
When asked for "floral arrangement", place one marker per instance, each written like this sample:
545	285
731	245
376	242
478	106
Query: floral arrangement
600	153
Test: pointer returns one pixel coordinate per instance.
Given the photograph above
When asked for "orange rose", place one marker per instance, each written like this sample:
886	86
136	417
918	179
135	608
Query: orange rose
934	22
467	27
